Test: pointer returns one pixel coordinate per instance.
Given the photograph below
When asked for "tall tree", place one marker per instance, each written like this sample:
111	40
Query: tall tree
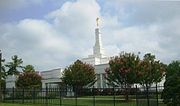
122	70
79	74
3	71
3	75
151	70
171	92
29	68
14	66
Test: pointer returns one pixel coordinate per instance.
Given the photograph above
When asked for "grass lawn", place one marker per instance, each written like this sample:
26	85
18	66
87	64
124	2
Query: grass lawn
81	101
10	104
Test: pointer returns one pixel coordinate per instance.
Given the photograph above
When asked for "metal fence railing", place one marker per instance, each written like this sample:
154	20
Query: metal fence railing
134	96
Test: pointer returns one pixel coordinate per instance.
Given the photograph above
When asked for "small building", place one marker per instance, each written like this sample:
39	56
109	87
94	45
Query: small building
10	81
51	78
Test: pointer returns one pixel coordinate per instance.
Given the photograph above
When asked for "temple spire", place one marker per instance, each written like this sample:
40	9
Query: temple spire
98	56
97	49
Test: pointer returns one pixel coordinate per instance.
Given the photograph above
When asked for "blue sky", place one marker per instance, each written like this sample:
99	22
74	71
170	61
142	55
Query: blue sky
53	33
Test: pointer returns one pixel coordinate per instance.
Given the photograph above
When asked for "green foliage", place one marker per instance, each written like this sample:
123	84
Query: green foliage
79	74
150	70
3	74
14	66
29	68
3	83
3	70
122	69
127	69
29	80
171	92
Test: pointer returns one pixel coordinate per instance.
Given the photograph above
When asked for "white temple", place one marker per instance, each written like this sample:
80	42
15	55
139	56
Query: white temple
98	56
98	59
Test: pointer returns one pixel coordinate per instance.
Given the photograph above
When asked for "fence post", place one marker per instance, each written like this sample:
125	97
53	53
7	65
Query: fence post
46	95
13	95
157	95
4	93
60	96
76	95
136	96
147	94
23	97
114	101
42	96
93	97
34	95
49	97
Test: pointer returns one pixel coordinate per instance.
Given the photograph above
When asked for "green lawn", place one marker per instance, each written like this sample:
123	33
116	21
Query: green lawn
82	101
10	104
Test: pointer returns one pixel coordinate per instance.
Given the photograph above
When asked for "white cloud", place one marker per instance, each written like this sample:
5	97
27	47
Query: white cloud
146	27
54	44
77	21
76	18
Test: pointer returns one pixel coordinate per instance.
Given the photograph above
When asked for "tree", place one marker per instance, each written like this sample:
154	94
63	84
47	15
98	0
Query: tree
151	70
3	75
122	70
14	66
171	92
29	80
29	68
79	74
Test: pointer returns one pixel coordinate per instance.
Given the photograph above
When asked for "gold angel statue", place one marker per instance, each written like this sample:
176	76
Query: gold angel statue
97	21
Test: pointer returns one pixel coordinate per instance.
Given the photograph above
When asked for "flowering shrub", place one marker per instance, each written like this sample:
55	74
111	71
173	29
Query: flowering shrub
29	80
123	69
79	75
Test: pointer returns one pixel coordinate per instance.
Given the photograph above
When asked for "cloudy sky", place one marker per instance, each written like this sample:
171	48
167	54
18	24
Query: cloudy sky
53	33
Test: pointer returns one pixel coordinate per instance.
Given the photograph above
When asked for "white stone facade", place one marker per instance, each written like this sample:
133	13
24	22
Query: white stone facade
10	81
98	56
51	78
100	75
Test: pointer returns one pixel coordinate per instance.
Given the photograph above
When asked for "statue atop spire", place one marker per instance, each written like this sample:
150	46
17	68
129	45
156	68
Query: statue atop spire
97	21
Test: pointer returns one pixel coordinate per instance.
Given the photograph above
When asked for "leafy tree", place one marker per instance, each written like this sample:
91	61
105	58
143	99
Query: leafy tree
14	65
3	75
171	92
29	80
151	70
79	74
29	68
122	70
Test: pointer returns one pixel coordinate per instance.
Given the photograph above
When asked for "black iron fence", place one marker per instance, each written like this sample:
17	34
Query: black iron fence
134	96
